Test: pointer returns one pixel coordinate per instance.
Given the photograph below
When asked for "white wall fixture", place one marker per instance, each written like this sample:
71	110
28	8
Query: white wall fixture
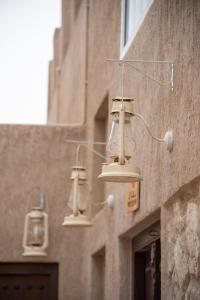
35	238
110	200
78	199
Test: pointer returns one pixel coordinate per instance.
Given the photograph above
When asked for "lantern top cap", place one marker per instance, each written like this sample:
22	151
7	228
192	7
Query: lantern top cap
127	104
119	98
77	168
36	213
78	171
37	208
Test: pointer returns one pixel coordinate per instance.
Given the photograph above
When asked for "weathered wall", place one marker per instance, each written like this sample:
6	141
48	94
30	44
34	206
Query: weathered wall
181	243
32	156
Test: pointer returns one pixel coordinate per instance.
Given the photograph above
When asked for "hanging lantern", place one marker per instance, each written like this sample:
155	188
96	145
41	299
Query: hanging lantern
78	199
35	239
120	144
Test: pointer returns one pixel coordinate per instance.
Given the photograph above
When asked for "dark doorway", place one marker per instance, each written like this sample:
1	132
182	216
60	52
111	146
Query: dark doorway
146	262
28	281
98	274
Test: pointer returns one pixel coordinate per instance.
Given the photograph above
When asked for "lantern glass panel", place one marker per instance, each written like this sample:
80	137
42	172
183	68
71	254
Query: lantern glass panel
113	142
36	232
81	196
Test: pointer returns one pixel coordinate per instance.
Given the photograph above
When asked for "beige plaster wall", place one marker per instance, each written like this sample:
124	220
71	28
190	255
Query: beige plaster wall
73	74
169	32
54	77
32	156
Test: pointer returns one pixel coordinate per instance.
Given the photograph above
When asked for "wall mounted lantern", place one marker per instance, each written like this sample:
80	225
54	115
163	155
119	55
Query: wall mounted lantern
120	146
78	199
35	238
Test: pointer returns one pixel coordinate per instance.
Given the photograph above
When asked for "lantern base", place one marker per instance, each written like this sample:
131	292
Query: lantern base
80	220
34	251
115	172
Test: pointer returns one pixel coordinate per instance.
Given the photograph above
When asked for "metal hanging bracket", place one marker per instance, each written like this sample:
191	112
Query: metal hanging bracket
130	63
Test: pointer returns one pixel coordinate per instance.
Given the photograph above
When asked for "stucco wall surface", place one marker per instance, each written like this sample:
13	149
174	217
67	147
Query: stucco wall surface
32	156
37	155
169	32
71	109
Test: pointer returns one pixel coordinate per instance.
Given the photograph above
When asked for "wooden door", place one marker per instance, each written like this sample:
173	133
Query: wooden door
28	281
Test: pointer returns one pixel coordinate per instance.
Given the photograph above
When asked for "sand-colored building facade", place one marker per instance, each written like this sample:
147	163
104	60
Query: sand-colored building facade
105	261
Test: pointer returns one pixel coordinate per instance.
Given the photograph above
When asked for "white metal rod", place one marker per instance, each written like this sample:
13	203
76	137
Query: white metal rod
121	135
141	60
42	200
75	209
85	142
148	128
89	148
127	62
148	76
172	77
122	81
86	145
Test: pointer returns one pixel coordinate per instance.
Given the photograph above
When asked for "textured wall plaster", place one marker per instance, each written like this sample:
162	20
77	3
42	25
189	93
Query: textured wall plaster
170	31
